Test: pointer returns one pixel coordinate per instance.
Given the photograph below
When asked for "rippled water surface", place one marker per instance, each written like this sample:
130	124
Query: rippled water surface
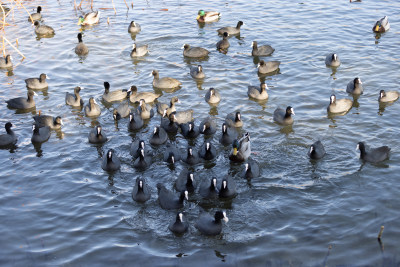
58	207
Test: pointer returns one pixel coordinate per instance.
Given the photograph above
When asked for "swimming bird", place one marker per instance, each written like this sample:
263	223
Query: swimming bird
191	157
161	107
388	96
92	109
208	126
284	117
355	87
374	155
135	122
122	111
169	125
172	154
231	30
179	225
110	161
332	60
165	82
134	27
185	181
97	136
46	120
135	96
43	30
252	169
381	25
241	149
37	15
22	102
194	52
168	200
111	96
258	93
40	134
268	67
9	138
262	51
37	83
212	96
141	192
81	49
211	225
139	51
158	137
209	190
183	116
136	147
207	151
6	62
317	150
223	45
89	18
197	72
339	106
234	119
208	16
143	161
144	110
228	188
227	136
189	130
74	99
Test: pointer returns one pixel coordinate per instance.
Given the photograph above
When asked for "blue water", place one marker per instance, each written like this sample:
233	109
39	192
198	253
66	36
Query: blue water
58	207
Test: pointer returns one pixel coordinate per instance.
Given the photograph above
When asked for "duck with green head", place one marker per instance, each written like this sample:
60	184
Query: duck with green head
209	16
89	18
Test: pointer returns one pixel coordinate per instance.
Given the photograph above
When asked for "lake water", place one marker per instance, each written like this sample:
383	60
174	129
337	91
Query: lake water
58	207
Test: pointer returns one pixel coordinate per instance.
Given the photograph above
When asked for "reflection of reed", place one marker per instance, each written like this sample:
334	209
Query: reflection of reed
5	12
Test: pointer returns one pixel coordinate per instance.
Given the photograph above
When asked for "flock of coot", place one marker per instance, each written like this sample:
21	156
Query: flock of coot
173	122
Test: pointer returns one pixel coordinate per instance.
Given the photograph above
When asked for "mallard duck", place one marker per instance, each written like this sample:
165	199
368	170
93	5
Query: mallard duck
241	149
89	18
382	25
374	155
207	16
284	117
5	62
339	106
389	96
